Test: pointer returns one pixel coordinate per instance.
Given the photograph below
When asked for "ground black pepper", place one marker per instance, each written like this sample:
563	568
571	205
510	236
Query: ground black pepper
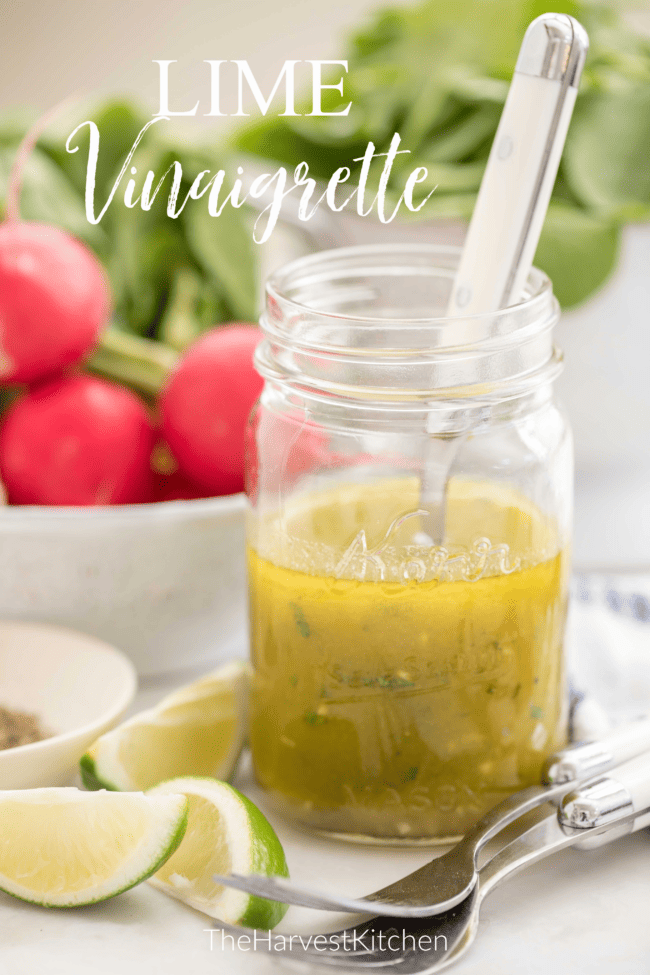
18	728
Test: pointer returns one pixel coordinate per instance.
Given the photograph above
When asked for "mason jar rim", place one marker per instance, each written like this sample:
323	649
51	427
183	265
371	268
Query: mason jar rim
316	335
539	291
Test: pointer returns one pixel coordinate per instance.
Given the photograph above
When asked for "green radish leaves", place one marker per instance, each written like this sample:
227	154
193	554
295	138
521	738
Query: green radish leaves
48	195
607	159
438	74
578	251
223	248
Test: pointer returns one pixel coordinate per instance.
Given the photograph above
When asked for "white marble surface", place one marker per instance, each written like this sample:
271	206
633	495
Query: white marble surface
581	913
578	913
584	913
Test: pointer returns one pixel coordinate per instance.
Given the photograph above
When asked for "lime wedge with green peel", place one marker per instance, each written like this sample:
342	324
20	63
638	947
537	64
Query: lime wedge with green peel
64	847
197	730
226	833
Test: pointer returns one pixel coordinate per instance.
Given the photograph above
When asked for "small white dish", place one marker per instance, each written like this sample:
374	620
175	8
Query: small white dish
77	687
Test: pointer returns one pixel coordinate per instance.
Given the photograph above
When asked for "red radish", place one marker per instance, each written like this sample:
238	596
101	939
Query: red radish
205	405
77	441
176	487
293	446
54	301
168	483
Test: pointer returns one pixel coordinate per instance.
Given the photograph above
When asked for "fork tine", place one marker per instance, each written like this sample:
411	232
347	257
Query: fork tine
287	892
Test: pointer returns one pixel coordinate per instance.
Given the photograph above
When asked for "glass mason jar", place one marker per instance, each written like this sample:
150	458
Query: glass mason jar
410	485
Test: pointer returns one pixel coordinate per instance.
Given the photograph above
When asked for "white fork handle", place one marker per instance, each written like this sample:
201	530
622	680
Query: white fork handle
596	757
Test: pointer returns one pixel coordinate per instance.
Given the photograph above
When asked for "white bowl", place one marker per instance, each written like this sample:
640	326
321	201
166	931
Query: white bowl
164	582
78	688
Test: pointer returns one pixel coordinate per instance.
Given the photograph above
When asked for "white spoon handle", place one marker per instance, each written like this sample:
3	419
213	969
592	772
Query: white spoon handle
596	757
512	202
521	170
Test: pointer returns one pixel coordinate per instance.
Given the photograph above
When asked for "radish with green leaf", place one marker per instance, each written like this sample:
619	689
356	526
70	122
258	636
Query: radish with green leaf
54	301
54	294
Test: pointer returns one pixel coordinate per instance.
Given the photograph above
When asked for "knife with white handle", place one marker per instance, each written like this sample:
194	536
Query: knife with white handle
603	802
546	837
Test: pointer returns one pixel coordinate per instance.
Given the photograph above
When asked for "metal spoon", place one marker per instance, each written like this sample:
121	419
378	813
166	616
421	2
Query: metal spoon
511	206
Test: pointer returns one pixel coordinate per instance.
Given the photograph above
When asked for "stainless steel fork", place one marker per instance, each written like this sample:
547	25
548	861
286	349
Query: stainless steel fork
593	815
446	881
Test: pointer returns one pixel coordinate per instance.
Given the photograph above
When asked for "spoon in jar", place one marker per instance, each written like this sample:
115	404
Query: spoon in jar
509	214
444	882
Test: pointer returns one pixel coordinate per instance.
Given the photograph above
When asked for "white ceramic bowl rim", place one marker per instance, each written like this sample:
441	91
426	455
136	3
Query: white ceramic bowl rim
108	717
155	511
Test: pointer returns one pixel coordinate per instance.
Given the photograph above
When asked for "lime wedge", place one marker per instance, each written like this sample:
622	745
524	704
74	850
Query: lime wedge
64	847
197	730
226	833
